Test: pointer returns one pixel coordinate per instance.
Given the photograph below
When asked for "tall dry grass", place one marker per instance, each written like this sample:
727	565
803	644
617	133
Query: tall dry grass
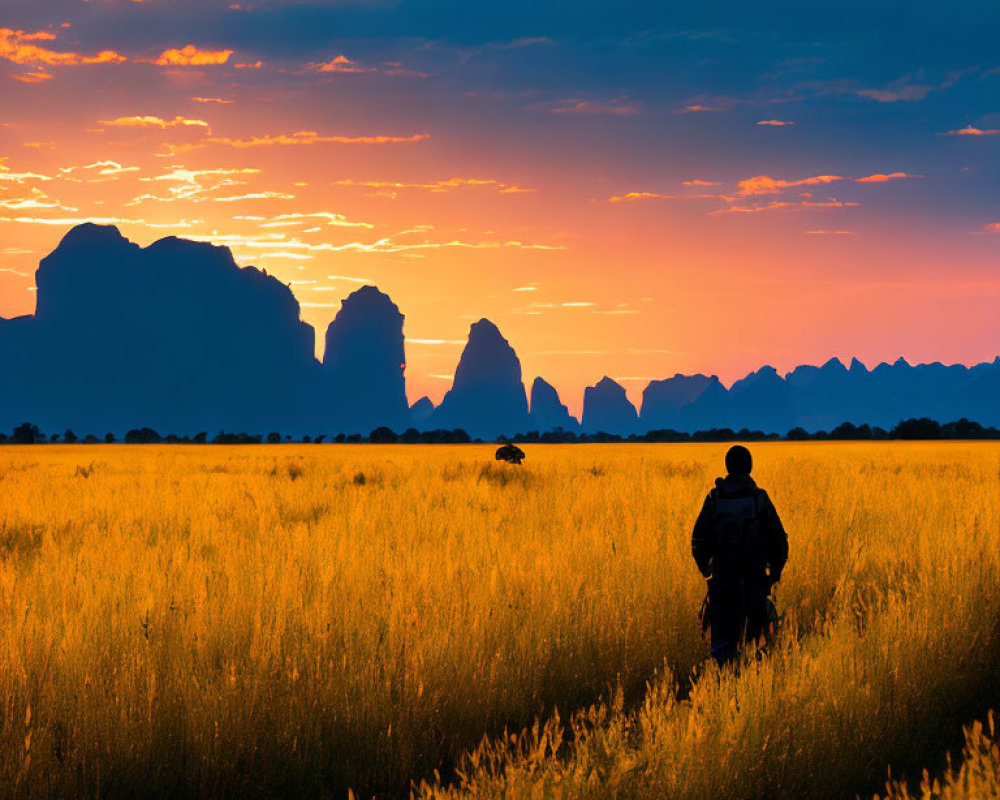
296	620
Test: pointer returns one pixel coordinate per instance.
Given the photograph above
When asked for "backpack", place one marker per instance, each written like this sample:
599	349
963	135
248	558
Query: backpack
735	527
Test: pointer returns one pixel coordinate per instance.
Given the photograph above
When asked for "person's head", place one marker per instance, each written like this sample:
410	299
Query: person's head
738	460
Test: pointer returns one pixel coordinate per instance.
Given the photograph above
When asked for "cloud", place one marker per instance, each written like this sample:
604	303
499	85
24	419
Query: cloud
155	122
254	65
697	108
299	138
763	184
699	182
105	170
775	122
220	100
993	227
832	233
619	106
255	196
778	205
38	76
6	174
880	177
632	196
38	199
902	94
192	175
969	130
333	220
435	342
344	65
191	56
447	185
16	46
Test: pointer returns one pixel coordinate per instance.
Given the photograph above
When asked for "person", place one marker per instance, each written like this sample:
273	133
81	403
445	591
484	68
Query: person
741	547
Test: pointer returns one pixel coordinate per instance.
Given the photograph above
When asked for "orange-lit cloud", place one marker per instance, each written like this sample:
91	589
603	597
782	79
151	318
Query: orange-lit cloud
993	227
191	56
302	138
446	185
880	177
7	174
763	184
775	122
631	196
154	122
253	65
699	182
969	130
327	217
696	108
38	76
344	65
832	233
220	100
104	170
16	47
255	196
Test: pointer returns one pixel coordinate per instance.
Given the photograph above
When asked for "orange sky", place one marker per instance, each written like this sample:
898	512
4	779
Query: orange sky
603	235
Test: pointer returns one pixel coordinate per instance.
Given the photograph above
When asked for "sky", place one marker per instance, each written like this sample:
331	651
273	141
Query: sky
630	189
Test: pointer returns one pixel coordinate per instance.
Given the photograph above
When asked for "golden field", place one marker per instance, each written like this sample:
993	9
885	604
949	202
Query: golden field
295	620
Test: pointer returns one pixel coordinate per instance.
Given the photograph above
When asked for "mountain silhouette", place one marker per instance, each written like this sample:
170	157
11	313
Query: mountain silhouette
487	396
364	362
176	337
547	413
606	409
420	412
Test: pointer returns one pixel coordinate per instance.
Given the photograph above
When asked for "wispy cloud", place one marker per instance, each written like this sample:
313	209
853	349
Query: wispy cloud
992	227
775	122
191	56
254	196
619	106
969	130
99	171
632	196
154	122
219	100
298	138
19	47
699	182
764	184
299	218
831	233
440	186
880	177
341	64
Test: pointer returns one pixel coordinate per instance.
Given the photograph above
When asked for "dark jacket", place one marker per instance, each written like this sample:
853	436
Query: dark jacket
772	542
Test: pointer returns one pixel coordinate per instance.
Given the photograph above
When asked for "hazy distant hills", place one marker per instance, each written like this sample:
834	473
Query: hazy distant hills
177	337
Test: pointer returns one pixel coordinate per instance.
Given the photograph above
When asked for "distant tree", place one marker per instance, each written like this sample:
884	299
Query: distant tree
142	436
306	439
383	435
320	439
90	439
4	438
923	428
410	436
340	438
109	438
797	434
667	435
354	438
26	433
274	438
200	438
69	437
54	438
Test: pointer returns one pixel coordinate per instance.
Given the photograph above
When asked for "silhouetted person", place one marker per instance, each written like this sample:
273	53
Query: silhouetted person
740	545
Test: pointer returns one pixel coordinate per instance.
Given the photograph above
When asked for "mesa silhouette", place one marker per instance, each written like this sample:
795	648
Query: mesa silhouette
177	337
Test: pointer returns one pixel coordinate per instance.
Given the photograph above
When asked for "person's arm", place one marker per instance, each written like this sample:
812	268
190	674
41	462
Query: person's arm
776	539
702	540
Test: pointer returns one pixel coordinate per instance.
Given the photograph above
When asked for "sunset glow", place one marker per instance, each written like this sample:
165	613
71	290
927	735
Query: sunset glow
632	193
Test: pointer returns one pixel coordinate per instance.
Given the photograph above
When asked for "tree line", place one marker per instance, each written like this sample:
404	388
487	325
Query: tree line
922	428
